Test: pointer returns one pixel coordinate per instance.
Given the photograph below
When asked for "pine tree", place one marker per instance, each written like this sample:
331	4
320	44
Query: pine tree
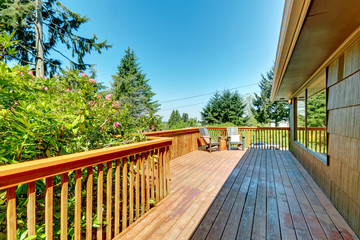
60	25
185	117
316	108
227	107
174	119
130	85
265	110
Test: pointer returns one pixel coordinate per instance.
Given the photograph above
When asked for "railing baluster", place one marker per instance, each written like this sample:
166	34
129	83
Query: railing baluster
152	167
142	165
157	179
11	213
108	199
131	191
31	214
167	171
124	193
77	216
64	206
99	199
147	181
137	187
161	176
117	198
89	202
49	208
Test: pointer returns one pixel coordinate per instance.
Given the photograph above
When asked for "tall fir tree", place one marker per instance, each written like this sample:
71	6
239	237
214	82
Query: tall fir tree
316	111
130	85
227	107
265	110
26	17
174	119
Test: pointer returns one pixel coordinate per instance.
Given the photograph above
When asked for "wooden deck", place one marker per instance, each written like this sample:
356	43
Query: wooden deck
266	195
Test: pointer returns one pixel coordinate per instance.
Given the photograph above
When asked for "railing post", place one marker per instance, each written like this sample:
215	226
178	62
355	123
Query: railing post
306	118
11	213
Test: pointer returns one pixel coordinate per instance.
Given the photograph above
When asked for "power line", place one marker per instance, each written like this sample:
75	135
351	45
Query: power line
181	106
205	94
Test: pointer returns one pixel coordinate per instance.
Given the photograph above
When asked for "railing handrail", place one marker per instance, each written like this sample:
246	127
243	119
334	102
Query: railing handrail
312	128
21	173
252	128
171	132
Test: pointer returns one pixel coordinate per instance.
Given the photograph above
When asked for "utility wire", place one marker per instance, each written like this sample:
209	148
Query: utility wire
205	94
181	106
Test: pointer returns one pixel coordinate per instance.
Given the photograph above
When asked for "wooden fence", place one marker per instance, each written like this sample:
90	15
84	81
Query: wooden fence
316	139
107	188
258	137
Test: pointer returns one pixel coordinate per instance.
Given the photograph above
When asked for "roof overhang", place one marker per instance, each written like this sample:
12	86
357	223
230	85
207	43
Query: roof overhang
311	32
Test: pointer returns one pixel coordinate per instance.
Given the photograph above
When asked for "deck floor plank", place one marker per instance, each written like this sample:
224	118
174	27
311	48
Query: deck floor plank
235	215
253	194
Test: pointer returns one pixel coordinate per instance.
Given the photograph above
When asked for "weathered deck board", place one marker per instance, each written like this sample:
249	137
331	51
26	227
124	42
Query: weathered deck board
196	179
265	195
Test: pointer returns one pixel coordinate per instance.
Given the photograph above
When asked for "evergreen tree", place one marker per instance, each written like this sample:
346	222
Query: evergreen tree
174	119
60	25
265	110
316	111
130	85
177	121
225	108
185	117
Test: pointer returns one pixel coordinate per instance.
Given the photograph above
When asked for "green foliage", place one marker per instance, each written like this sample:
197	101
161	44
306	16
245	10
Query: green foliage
227	107
316	107
317	110
265	110
130	86
185	117
45	117
6	45
177	121
175	118
60	27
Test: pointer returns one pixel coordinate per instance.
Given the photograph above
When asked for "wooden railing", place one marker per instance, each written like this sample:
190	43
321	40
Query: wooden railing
316	139
120	184
259	137
184	140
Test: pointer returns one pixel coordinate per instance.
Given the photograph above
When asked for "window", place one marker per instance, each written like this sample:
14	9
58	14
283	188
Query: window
311	121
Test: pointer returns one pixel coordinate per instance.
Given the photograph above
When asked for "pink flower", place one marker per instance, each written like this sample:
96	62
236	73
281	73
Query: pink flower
83	74
92	103
139	115
116	124
99	96
22	74
115	104
108	97
46	88
92	80
31	73
79	91
67	90
56	75
46	78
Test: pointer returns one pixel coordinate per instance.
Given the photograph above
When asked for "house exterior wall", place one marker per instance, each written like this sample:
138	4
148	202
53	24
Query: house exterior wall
340	179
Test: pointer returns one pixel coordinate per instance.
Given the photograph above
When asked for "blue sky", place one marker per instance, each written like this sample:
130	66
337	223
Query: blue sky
186	47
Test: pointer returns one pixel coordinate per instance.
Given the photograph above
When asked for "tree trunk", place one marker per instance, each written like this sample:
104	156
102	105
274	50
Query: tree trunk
39	64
